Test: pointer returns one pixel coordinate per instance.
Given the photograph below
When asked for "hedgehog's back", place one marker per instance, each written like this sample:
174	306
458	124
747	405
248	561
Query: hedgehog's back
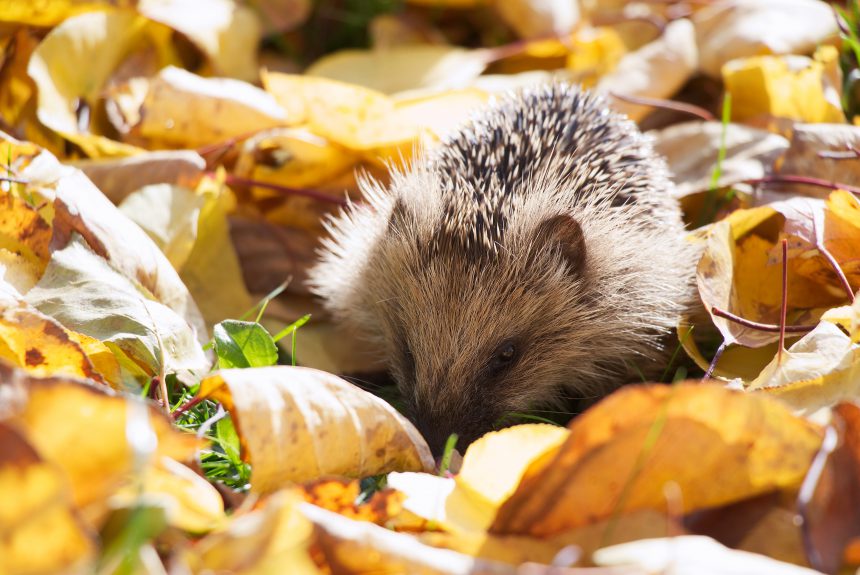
554	140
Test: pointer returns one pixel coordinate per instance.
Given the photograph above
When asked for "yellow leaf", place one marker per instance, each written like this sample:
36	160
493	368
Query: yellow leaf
226	32
41	346
291	157
24	231
186	110
402	68
298	423
212	271
44	13
271	539
493	465
66	88
169	215
353	116
190	502
94	436
16	87
718	445
41	532
792	87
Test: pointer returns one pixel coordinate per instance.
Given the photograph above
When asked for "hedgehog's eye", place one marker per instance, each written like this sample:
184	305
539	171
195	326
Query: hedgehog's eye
503	357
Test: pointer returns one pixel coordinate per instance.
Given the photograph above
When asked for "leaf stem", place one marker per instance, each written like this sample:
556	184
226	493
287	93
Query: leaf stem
692	109
233	180
784	307
767	327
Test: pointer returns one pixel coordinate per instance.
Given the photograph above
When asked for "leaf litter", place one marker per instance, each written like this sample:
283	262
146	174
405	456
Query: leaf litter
124	449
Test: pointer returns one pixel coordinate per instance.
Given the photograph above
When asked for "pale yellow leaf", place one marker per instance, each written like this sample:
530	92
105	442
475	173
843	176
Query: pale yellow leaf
402	68
298	424
729	30
226	32
656	70
186	110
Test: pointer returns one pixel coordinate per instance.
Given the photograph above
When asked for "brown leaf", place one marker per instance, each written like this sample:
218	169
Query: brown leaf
718	445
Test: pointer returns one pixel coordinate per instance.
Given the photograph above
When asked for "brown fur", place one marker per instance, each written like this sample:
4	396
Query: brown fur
546	223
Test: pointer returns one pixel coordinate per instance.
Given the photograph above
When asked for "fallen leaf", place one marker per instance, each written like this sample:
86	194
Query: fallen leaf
803	157
84	293
39	345
716	444
341	495
189	501
41	532
494	465
271	539
23	230
186	110
81	208
92	435
691	150
291	157
226	32
539	18
354	547
298	424
830	504
656	70
691	554
102	39
353	116
402	68
118	178
792	87
725	31
211	270
168	214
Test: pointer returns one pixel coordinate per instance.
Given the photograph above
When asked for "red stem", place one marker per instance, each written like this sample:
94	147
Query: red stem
287	191
766	327
784	308
803	180
717	356
186	406
843	279
697	111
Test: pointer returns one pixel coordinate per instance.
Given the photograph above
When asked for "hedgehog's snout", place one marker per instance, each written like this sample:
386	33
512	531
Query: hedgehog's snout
467	420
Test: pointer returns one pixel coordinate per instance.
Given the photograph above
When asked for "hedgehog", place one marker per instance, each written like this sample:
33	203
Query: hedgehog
535	256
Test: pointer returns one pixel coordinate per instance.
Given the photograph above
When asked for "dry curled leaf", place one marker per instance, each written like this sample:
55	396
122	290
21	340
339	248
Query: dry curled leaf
645	436
298	424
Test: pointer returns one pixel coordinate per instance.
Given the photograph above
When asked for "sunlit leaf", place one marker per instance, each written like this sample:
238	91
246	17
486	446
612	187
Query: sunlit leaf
41	533
298	424
644	436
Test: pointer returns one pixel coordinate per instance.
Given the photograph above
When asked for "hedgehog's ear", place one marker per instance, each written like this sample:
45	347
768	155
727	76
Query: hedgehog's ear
563	233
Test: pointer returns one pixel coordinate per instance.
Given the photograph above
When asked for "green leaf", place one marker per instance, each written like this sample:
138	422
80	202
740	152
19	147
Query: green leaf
228	439
244	344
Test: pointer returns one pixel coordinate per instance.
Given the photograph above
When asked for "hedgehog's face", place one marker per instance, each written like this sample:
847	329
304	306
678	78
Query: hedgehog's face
472	342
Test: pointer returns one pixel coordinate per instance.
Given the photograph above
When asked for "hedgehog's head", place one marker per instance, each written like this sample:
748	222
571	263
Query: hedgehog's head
473	330
483	311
